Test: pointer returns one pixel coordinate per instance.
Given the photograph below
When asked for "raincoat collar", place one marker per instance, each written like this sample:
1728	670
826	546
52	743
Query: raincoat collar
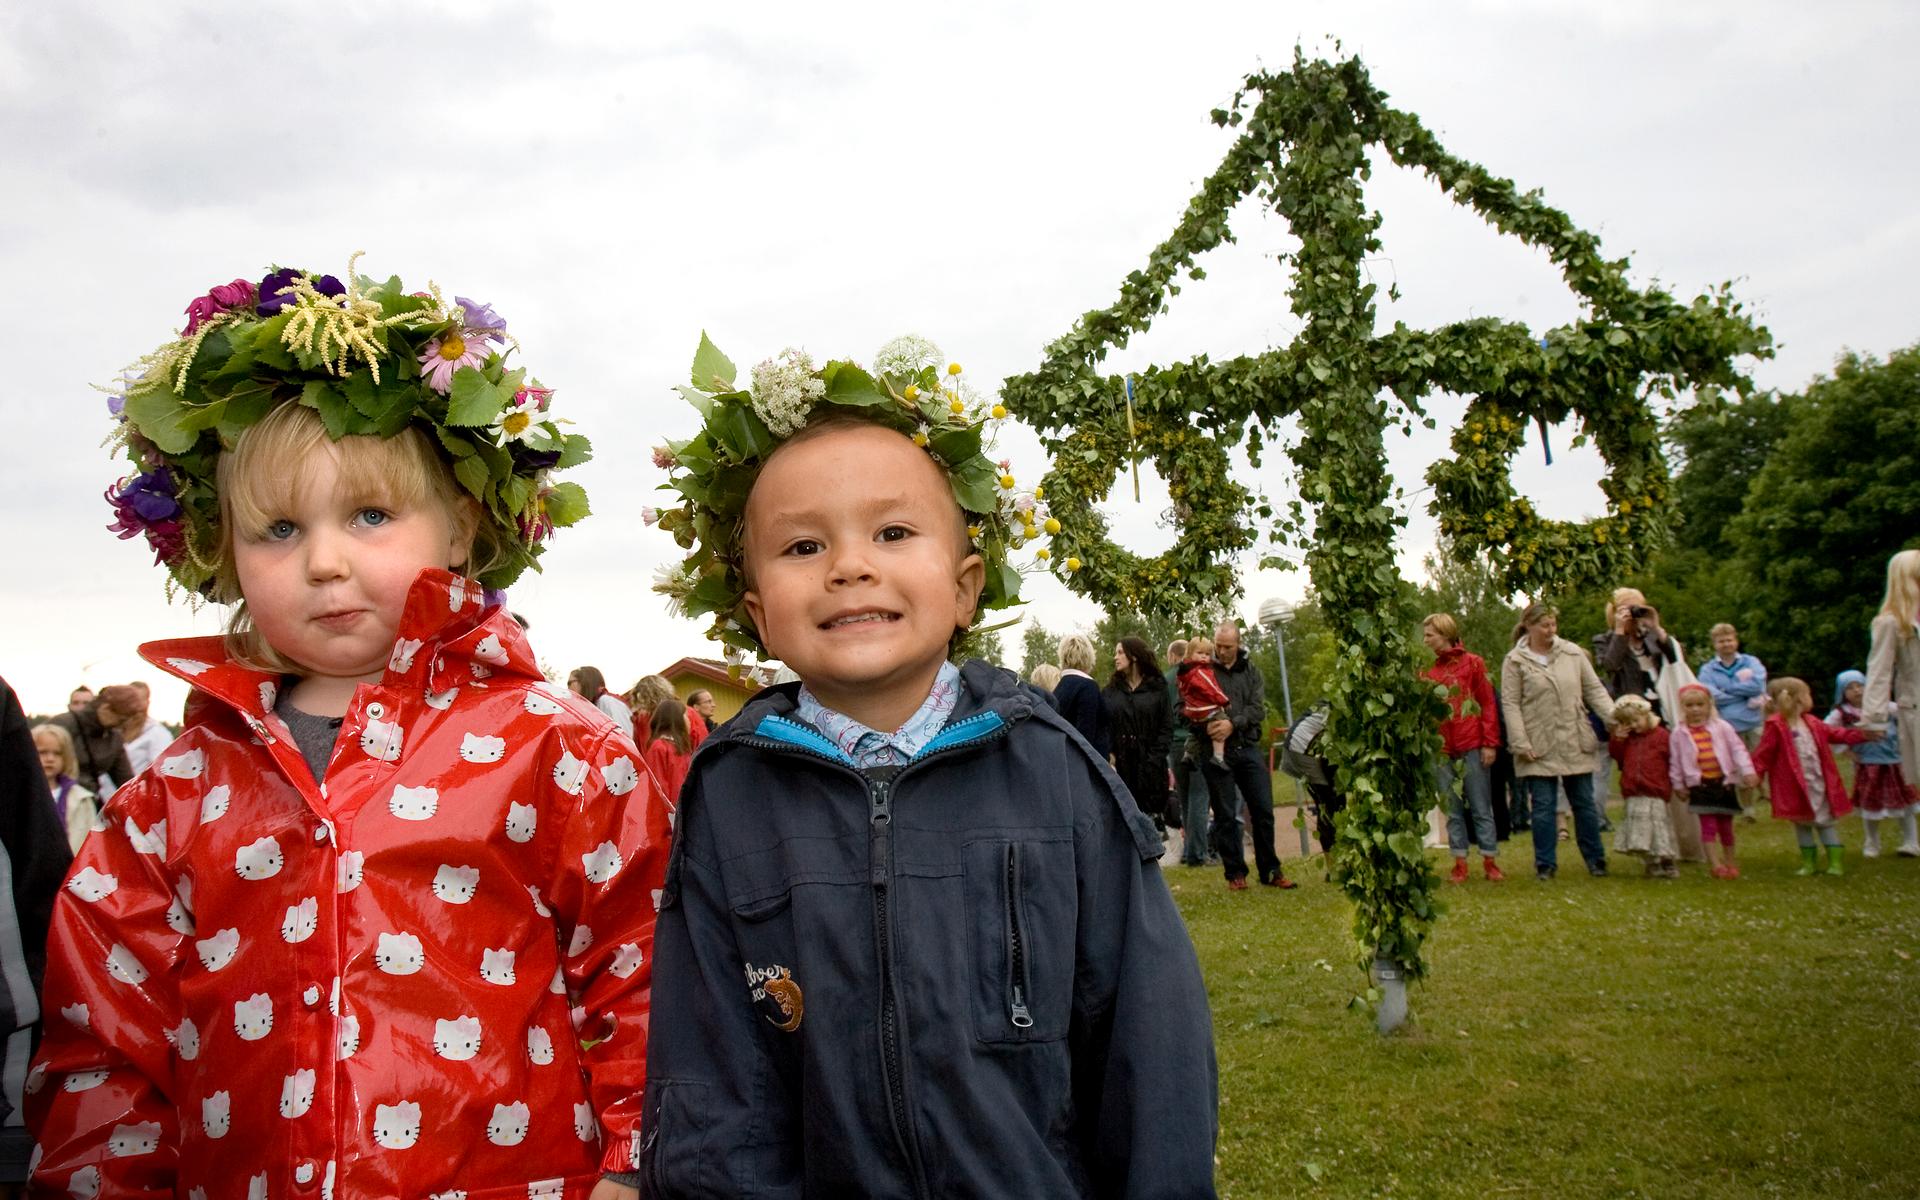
447	637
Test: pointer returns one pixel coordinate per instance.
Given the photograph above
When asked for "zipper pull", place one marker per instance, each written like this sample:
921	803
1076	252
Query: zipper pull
880	814
1022	1019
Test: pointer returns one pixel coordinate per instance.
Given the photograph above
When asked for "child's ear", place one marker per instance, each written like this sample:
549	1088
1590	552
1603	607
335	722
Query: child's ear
757	611
968	580
464	522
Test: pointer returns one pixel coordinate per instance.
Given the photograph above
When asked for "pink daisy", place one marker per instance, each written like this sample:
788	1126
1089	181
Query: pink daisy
446	354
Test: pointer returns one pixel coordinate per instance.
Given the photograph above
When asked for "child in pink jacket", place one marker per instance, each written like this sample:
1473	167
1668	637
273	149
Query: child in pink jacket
1708	761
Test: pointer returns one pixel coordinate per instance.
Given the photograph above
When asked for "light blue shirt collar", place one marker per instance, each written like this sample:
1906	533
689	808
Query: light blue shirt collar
870	748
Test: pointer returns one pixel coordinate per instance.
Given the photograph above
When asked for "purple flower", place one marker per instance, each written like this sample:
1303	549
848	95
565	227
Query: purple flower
481	321
117	405
145	504
271	299
526	462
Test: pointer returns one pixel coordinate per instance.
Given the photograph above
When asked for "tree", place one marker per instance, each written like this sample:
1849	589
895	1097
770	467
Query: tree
1038	644
1838	497
1467	588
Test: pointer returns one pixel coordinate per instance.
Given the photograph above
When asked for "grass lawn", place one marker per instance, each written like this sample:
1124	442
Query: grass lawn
1591	1037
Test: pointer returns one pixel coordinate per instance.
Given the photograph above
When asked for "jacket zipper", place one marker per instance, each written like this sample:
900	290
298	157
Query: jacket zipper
1018	984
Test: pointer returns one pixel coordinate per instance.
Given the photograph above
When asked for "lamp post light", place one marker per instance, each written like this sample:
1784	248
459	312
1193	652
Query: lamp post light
1275	614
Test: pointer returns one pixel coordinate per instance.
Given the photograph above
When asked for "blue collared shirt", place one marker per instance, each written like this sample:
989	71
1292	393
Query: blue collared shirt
870	748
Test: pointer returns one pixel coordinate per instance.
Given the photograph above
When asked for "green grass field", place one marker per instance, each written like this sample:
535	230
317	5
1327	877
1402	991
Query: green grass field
1609	1037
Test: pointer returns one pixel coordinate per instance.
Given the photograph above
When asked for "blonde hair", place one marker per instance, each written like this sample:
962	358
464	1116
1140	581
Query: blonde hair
1444	625
1903	591
649	692
1046	677
272	461
1721	628
1619	598
1787	685
69	761
1176	650
1076	652
1630	709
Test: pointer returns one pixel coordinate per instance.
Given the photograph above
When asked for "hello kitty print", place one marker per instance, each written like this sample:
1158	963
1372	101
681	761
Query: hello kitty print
473	884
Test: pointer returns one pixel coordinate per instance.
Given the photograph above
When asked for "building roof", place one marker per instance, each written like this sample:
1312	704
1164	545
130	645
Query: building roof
713	670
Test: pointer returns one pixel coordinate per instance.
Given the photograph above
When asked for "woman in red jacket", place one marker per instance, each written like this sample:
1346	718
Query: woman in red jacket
1471	738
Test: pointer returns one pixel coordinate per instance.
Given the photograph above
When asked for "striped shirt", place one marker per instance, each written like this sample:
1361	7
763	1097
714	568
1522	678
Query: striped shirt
1703	745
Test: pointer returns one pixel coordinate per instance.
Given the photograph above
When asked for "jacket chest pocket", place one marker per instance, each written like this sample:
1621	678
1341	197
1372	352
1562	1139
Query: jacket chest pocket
1022	917
788	903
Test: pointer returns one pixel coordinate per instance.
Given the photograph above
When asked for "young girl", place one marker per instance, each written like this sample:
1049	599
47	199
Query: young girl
1796	756
1709	759
1880	791
75	805
1640	745
380	922
1201	696
669	745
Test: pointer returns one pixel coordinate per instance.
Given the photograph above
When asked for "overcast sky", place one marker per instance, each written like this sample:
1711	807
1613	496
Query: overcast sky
615	178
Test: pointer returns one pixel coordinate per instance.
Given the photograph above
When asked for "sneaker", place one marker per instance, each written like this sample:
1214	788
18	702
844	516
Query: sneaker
1279	881
1237	885
1909	850
1492	870
1543	874
1459	871
1597	869
1564	835
1672	871
1722	872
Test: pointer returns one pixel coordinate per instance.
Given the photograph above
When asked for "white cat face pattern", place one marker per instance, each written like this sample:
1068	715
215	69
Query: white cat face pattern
400	909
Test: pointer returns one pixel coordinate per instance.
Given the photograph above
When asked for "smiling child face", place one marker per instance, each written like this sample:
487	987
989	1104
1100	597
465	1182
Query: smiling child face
859	567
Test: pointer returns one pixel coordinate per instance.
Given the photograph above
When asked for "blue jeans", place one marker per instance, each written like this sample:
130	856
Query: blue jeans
1542	790
1191	791
1466	783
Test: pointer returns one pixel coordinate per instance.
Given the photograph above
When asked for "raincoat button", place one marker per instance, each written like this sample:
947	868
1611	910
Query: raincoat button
319	833
376	710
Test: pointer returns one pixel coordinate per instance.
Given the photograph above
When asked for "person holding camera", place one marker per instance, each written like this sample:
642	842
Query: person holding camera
1639	658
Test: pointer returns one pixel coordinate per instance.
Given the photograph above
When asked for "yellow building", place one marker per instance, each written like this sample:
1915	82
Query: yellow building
691	675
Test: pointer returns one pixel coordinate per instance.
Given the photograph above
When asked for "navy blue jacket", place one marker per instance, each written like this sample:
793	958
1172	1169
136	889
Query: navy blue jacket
963	977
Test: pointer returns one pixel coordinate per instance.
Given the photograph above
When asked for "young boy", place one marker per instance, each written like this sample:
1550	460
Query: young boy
914	939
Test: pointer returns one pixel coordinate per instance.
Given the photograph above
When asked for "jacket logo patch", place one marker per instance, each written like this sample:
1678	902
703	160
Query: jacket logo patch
777	996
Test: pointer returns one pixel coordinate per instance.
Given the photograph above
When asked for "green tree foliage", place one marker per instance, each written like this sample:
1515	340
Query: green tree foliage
1838	497
1038	644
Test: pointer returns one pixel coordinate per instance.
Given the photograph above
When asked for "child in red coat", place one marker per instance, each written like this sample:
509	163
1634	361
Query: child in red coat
1641	746
1201	697
1796	756
669	746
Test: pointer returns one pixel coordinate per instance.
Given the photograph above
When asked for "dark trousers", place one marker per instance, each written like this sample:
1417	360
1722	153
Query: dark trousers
1245	772
1190	795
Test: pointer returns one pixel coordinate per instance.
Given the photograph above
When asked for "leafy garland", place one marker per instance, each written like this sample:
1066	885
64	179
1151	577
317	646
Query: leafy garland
1303	150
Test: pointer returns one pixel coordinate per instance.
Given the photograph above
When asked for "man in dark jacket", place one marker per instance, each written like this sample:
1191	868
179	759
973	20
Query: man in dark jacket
102	755
1245	767
958	977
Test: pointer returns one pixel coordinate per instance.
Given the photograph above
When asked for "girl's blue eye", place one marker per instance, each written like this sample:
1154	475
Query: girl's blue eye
281	530
373	517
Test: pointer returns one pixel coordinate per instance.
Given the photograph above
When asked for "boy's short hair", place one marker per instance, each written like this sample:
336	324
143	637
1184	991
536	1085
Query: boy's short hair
1721	628
266	468
1176	650
1076	652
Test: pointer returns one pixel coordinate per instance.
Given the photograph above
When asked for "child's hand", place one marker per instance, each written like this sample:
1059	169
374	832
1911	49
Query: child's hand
1750	781
607	1189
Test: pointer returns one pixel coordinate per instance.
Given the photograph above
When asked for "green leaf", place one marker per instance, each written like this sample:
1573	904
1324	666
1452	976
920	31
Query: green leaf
162	418
567	503
474	401
333	408
712	370
956	445
246	405
976	486
702	402
849	385
472	473
574	450
362	393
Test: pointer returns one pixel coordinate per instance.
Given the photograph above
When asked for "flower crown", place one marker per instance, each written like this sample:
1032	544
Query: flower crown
907	390
370	359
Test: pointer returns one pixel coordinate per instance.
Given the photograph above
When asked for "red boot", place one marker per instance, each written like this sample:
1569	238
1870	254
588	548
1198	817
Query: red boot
1492	870
1459	871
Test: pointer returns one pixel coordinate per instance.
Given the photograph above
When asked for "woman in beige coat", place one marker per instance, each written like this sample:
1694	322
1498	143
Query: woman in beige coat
1545	684
1893	665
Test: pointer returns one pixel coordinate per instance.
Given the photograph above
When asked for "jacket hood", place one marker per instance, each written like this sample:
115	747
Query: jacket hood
447	636
1840	683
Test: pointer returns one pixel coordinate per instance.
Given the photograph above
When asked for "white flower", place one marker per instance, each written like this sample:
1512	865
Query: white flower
784	390
907	354
676	583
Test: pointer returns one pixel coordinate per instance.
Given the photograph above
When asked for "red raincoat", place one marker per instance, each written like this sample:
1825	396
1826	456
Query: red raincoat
260	987
1464	675
1776	758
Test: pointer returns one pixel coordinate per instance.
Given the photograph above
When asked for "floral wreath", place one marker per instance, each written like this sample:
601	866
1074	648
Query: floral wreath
908	390
371	359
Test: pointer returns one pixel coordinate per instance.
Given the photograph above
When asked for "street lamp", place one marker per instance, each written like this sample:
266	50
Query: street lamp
1275	614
